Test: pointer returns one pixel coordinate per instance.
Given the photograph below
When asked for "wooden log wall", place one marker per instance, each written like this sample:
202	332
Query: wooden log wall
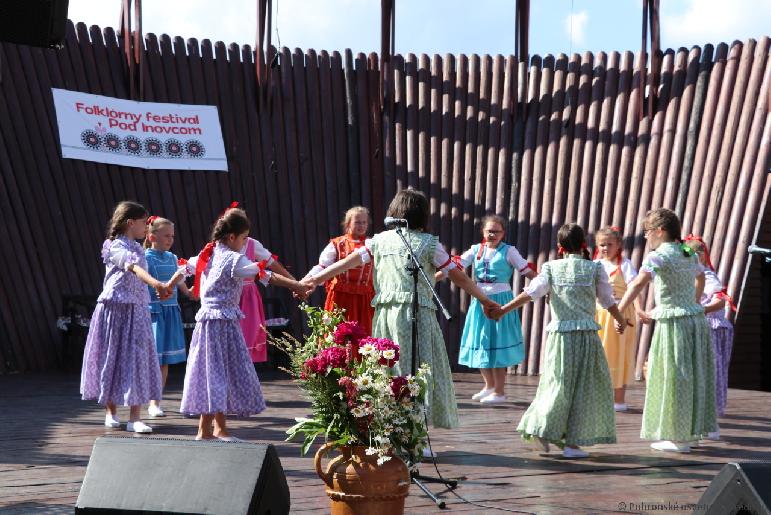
553	140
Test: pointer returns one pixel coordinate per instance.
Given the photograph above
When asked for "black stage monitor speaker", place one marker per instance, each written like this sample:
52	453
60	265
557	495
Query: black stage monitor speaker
738	489
33	22
163	475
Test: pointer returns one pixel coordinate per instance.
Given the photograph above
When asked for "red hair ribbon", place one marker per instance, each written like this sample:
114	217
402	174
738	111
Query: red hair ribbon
203	261
181	262
692	237
724	295
616	228
560	249
232	205
584	246
151	219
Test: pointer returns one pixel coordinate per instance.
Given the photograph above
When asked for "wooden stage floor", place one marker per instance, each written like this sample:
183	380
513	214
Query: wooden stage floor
47	433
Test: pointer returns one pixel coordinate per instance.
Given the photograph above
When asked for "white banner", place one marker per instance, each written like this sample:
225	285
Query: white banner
142	134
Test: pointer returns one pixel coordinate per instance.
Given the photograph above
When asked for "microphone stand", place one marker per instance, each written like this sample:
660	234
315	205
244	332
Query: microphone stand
414	268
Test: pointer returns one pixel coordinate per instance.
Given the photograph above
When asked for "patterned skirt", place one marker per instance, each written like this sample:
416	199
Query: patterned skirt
392	321
120	364
722	345
169	335
220	377
680	393
574	401
253	323
489	344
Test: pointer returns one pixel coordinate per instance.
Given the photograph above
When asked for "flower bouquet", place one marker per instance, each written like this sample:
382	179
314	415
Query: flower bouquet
356	398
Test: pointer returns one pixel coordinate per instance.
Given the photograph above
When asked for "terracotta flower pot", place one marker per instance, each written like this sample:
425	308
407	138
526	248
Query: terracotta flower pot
357	485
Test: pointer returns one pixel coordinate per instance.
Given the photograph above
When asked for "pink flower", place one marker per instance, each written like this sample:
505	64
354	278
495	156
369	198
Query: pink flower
384	346
351	392
334	357
399	387
348	332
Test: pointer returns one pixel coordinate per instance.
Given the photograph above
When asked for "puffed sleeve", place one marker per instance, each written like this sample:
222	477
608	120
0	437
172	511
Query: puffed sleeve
652	263
328	257
365	251
122	256
516	260
627	268
603	287
467	257
442	260
712	284
539	285
261	253
245	268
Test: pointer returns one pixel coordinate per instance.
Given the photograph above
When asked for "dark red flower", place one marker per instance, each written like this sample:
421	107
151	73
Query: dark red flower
399	387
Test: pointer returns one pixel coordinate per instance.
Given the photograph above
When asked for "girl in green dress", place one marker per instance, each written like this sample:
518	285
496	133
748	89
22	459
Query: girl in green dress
574	402
680	390
393	297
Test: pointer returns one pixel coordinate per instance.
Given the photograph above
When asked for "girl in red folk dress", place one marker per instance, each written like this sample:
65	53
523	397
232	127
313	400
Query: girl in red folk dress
352	290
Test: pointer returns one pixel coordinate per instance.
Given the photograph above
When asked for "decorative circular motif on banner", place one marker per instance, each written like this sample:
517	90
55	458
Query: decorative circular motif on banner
91	139
173	147
194	148
133	145
153	147
112	142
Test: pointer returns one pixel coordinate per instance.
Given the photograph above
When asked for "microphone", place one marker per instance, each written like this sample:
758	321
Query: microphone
392	223
760	251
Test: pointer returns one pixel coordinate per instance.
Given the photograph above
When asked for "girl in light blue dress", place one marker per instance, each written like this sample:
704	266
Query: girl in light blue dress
492	346
165	314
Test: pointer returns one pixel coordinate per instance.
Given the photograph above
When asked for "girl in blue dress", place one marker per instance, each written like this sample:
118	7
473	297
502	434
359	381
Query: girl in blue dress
488	345
165	314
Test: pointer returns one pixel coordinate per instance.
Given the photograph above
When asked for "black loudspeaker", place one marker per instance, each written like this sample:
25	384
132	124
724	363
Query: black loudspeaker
738	489
163	475
33	22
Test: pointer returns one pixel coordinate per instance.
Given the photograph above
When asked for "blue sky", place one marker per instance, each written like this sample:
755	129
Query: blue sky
437	26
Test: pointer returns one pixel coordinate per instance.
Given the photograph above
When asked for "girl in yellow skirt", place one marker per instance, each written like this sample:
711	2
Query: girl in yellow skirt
619	348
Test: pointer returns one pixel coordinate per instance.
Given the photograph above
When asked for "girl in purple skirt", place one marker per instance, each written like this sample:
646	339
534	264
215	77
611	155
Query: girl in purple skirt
120	364
714	300
220	377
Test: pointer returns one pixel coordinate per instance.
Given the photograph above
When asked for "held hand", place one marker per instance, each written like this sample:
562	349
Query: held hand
619	327
645	317
164	290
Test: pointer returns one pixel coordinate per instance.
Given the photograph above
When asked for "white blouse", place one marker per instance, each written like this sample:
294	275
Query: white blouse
627	268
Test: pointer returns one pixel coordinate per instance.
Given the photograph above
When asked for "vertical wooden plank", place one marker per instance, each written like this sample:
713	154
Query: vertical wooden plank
472	105
364	125
592	135
483	129
328	137
424	126
492	194
399	118
433	157
618	125
340	131
377	142
697	112
305	168
579	137
458	160
603	141
352	129
505	148
325	219
411	128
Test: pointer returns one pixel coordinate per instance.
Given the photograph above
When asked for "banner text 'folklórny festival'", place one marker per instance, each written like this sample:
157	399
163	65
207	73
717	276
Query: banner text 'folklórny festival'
141	134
